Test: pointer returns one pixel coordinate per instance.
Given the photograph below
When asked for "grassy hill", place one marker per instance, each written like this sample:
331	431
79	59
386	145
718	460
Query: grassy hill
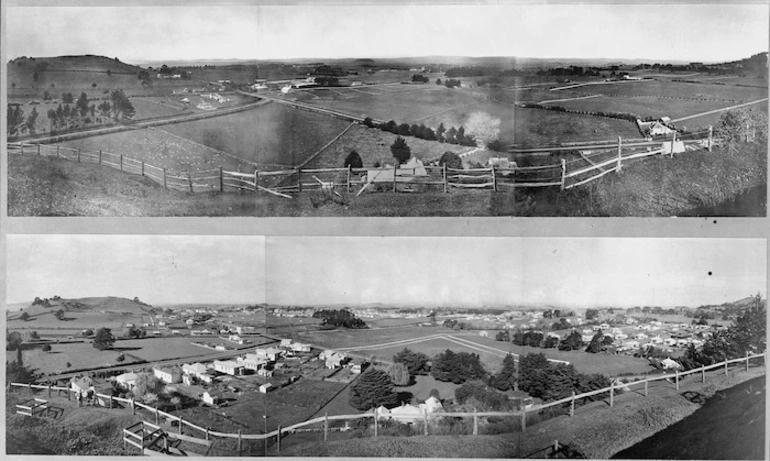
30	77
81	306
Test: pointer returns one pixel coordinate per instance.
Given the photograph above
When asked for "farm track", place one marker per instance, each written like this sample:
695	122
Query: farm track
571	99
716	111
454	339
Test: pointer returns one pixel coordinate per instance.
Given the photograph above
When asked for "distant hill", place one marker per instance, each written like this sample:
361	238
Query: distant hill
109	304
32	76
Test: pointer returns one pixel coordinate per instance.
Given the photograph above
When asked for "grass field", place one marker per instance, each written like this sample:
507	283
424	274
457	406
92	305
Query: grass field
270	134
152	349
73	320
79	355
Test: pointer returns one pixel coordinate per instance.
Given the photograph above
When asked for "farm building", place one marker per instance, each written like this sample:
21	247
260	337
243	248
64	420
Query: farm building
669	364
407	413
228	367
265	388
245	330
382	411
412	168
431	405
265	372
335	360
271	353
127	380
659	129
286	343
211	398
168	375
300	347
81	384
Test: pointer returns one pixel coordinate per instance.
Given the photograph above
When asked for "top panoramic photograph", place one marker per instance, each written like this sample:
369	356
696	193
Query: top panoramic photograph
392	110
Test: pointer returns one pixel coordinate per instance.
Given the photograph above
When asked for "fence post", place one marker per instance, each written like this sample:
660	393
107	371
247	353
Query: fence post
747	361
278	444
620	154
38	148
133	407
165	185
49	385
563	173
240	442
326	426
703	374
221	180
726	369
394	176
22	148
156	416
646	386
299	179
110	402
572	405
189	180
523	420
207	433
676	373
494	179
142	168
121	162
350	171
612	394
711	134
375	423
100	156
256	180
425	418
673	140
443	172
475	423
179	426
57	151
68	394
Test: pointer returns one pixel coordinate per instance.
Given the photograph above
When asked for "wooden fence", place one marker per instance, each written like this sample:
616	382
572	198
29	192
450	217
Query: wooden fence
207	433
566	175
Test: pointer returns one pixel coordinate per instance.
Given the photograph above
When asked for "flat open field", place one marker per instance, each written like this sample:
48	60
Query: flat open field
159	148
301	400
79	355
151	349
270	134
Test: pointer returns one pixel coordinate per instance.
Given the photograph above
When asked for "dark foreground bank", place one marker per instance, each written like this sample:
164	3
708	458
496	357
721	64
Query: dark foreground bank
730	425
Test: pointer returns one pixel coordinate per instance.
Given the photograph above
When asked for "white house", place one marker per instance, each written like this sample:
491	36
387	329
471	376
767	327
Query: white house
253	362
197	370
407	413
82	384
669	364
271	353
265	388
431	405
127	380
228	367
335	360
168	375
300	347
286	343
211	399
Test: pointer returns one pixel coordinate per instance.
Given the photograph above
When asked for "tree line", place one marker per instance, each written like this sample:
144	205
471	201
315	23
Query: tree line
336	318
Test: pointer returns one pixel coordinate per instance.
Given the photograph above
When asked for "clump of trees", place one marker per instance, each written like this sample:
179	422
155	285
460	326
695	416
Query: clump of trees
400	150
457	367
505	379
482	397
336	318
553	381
451	83
372	389
441	134
415	362
103	339
354	160
573	342
420	78
451	160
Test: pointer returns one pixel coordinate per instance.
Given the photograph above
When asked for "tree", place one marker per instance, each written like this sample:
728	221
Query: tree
416	362
120	358
59	314
400	150
572	342
24	316
596	343
47	348
451	135
13	341
16	372
103	339
481	397
451	160
483	128
592	314
749	332
121	106
440	132
505	379
67	98
134	332
438	81
87	332
504	336
82	104
551	342
15	118
353	160
46	95
371	390
457	367
399	374
339	318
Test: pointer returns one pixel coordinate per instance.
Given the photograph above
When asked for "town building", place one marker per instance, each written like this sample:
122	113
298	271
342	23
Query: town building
169	375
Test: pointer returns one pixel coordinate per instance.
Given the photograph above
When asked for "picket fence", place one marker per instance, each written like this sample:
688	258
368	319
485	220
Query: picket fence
565	175
207	433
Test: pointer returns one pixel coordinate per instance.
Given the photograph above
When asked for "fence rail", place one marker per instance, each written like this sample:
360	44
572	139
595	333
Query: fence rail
566	175
425	416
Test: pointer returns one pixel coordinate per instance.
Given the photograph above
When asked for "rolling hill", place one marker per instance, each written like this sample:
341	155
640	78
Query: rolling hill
95	305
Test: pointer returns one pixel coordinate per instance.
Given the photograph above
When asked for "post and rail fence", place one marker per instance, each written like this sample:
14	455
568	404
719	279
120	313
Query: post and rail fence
566	175
323	421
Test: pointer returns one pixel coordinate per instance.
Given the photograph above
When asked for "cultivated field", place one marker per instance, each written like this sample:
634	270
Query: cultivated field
79	355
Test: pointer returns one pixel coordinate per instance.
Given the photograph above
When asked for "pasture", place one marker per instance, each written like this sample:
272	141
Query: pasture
73	320
270	134
301	400
152	349
79	355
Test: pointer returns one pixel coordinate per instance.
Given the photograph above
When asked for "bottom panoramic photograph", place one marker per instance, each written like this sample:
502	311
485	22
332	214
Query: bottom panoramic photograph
410	347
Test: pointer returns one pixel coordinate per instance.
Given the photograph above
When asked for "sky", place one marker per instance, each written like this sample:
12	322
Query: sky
479	272
157	269
690	32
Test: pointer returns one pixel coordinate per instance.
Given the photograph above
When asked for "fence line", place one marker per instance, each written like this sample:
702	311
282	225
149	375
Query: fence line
425	417
491	177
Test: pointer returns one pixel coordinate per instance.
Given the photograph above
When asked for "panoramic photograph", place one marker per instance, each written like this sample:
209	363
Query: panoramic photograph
387	110
602	348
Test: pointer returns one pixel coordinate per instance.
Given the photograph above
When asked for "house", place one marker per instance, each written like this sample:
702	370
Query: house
81	384
431	405
300	347
127	380
484	334
168	375
253	362
658	129
197	370
211	398
286	343
669	364
265	388
265	372
190	322
382	411
228	367
271	353
407	413
245	330
335	360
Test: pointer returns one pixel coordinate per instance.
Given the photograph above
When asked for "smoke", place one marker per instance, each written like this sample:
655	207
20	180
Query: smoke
483	127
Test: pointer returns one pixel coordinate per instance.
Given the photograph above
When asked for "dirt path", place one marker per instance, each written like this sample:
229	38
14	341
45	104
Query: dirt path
571	99
719	110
